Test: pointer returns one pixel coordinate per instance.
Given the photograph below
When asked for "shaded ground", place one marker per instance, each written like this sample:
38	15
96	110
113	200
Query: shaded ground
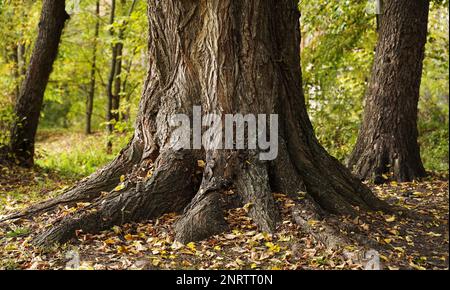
419	242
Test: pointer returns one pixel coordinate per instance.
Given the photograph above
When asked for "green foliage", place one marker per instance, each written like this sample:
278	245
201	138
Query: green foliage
338	43
6	119
18	232
75	155
434	103
339	39
66	93
337	51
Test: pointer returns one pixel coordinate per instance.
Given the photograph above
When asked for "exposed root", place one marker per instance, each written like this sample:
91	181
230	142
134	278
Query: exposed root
140	201
308	214
252	184
325	229
203	218
91	187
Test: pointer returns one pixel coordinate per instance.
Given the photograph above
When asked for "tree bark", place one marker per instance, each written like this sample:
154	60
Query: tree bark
21	59
227	57
29	102
387	141
109	87
14	58
90	97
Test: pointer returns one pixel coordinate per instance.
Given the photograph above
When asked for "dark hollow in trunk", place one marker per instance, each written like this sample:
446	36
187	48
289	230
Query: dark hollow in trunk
387	141
29	102
229	57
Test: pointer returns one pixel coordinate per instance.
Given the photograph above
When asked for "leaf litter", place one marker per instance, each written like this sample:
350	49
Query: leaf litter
401	242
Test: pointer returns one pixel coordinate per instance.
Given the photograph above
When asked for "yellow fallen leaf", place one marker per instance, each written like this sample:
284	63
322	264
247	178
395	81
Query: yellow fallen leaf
272	247
109	241
240	262
116	230
119	187
390	219
155	262
247	206
191	246
313	222
121	249
386	259
399	249
432	234
417	267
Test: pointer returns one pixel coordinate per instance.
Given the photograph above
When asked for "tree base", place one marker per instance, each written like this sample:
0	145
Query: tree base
172	184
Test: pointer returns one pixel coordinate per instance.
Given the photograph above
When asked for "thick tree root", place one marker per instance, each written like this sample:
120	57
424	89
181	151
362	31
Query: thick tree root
308	214
252	184
202	219
92	186
171	189
204	215
140	201
327	230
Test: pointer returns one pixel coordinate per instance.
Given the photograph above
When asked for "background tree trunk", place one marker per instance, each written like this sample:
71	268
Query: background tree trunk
29	102
115	81
90	97
14	58
387	141
109	87
227	57
21	57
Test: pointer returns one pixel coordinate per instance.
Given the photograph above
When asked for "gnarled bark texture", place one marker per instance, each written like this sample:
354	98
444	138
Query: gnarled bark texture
387	141
227	57
29	102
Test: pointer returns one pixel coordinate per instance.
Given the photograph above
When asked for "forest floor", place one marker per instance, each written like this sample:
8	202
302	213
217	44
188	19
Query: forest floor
417	242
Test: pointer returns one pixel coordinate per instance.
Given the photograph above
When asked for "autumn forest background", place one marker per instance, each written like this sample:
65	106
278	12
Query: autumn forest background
78	133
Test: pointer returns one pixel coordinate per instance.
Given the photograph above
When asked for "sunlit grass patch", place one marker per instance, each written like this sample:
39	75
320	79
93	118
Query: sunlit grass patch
73	154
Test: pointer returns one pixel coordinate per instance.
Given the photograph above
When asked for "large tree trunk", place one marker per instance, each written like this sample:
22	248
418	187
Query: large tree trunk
90	97
227	57
387	141
29	102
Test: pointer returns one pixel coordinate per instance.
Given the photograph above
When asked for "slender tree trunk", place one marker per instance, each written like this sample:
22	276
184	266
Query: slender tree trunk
114	81
117	88
14	57
21	58
109	87
128	66
387	141
90	97
29	103
227	57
